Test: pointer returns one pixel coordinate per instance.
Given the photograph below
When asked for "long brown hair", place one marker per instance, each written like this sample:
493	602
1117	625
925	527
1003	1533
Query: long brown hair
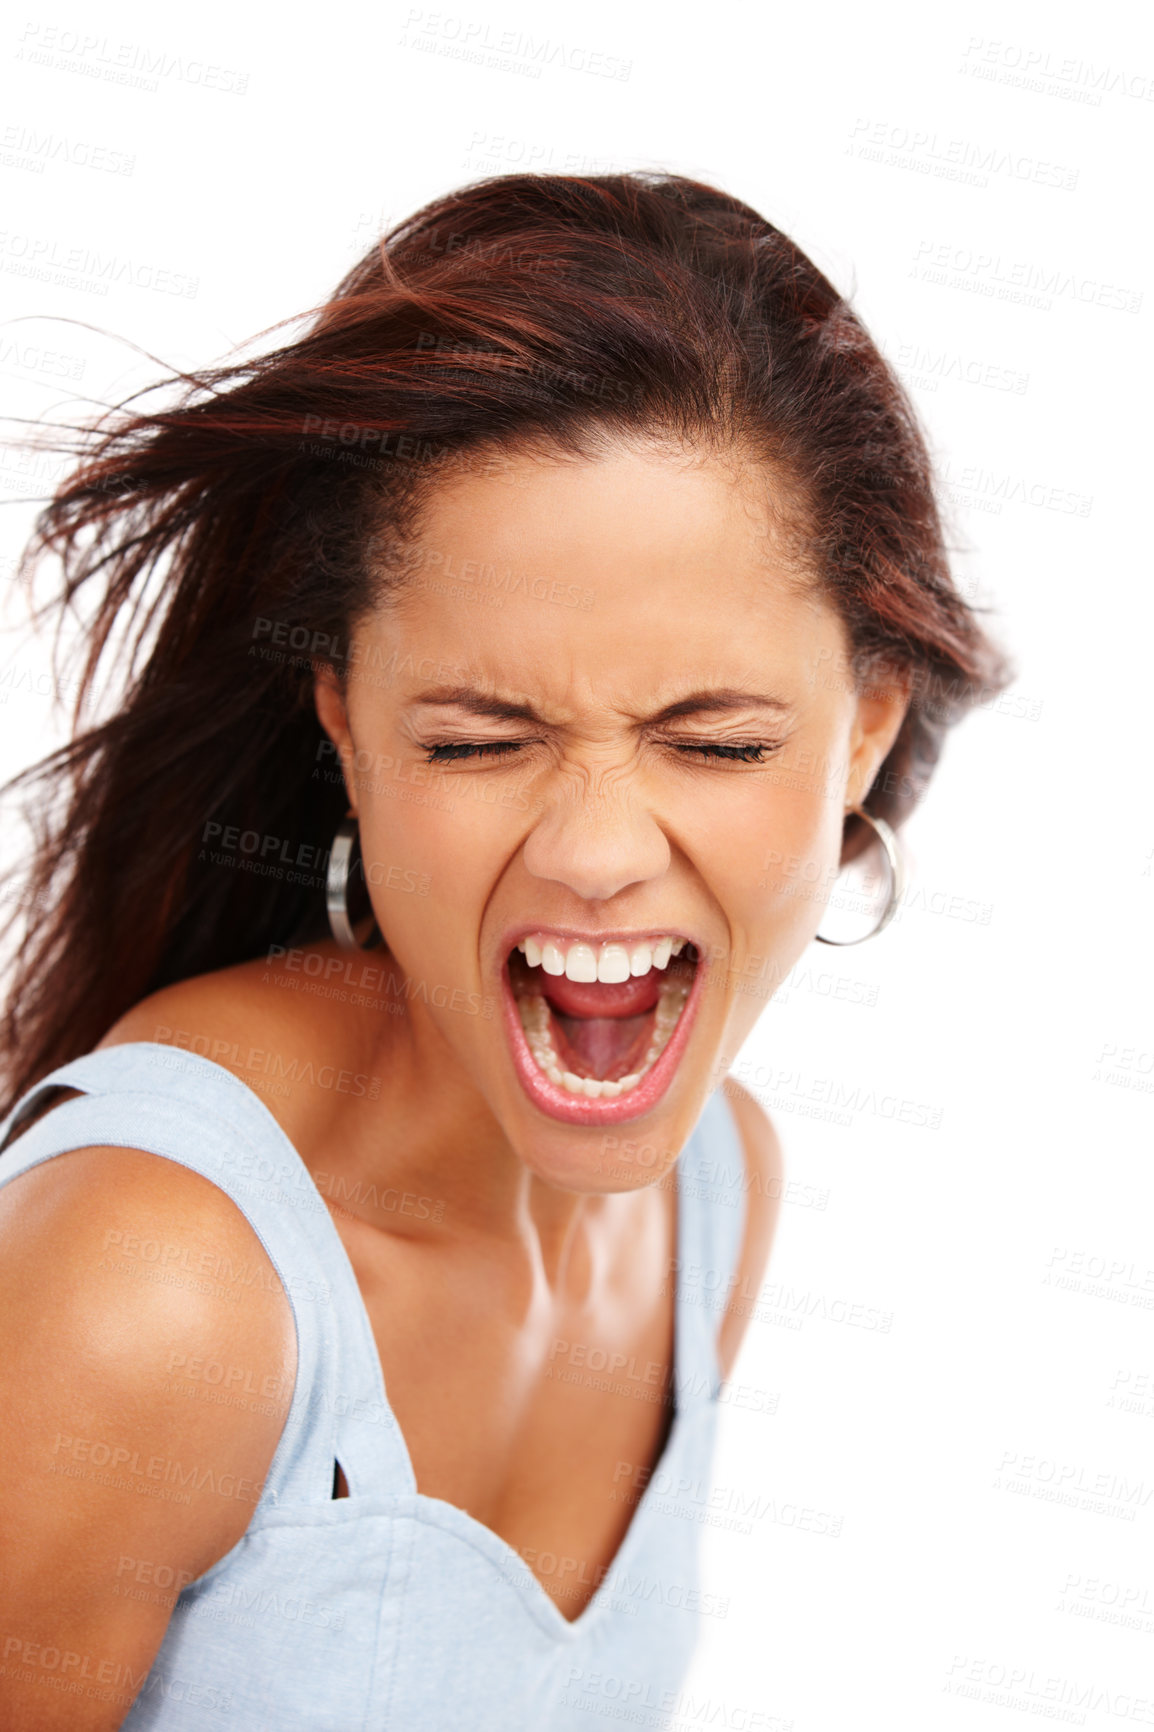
261	506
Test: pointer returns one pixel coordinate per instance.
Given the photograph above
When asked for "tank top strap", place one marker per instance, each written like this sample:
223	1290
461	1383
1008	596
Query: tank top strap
176	1104
711	1178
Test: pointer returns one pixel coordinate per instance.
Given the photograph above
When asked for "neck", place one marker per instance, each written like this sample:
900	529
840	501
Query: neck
427	1156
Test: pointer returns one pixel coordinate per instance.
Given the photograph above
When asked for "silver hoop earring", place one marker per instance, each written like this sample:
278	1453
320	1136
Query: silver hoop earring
896	864
345	846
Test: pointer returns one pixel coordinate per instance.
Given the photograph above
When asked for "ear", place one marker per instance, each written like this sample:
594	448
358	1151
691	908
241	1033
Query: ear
881	710
332	712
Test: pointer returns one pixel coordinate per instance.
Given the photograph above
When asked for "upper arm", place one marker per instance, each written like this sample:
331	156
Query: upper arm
121	1482
763	1184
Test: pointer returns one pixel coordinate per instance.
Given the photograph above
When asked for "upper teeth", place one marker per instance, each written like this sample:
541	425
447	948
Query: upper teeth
612	962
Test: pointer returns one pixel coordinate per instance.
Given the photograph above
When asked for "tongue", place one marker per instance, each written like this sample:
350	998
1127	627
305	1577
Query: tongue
607	1047
599	998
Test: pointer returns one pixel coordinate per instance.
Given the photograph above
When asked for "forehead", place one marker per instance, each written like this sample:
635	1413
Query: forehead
644	569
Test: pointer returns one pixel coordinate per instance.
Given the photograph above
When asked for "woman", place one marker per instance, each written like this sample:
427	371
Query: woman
509	651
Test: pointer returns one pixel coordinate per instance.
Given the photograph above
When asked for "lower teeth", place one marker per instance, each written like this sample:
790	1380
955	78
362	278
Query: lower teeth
535	1021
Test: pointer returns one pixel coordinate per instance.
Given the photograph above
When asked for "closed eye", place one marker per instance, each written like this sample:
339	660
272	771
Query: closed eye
454	750
445	754
753	754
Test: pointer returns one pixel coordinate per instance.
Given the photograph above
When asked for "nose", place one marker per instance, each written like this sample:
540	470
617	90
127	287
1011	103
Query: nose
596	844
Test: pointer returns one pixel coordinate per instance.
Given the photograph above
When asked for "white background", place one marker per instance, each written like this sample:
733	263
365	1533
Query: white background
973	176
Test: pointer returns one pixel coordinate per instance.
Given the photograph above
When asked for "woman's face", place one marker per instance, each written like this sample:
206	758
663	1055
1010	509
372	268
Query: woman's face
606	709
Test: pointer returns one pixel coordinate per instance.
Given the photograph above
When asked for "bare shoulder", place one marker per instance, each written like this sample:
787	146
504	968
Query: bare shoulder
218	1008
133	1295
117	1264
265	1022
763	1183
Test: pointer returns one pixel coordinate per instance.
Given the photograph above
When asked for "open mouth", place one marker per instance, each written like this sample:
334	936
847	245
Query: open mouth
601	1022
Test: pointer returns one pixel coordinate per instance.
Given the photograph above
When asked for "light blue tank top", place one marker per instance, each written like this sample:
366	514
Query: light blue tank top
388	1609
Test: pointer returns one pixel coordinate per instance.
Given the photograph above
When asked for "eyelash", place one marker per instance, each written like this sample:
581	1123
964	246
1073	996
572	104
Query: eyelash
455	750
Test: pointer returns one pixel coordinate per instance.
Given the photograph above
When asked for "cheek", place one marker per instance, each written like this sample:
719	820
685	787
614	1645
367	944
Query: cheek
807	874
433	849
771	880
800	862
767	850
393	850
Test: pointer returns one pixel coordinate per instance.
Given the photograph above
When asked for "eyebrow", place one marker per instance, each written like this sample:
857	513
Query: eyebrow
716	701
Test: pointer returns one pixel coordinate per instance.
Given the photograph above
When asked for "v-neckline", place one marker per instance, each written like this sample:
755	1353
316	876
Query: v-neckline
509	1562
487	1540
